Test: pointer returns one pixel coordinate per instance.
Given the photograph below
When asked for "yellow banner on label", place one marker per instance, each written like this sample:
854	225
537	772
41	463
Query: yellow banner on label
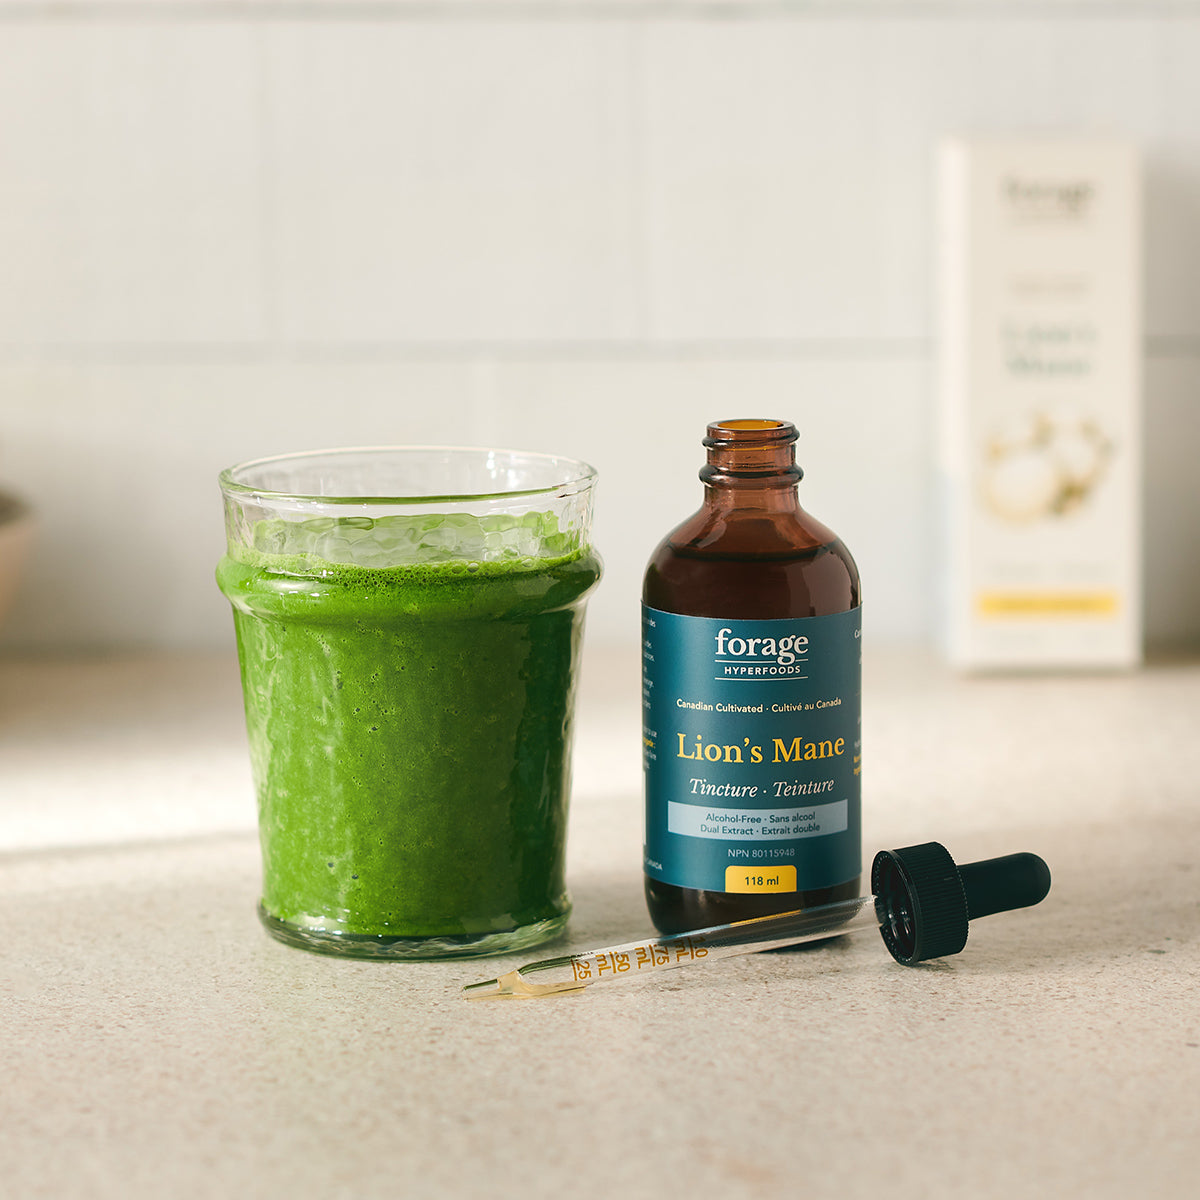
760	879
1001	606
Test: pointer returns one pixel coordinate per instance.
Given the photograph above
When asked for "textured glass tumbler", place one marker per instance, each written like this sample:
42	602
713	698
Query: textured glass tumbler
409	622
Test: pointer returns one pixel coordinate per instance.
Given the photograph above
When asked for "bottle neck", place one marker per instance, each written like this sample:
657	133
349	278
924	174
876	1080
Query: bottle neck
751	464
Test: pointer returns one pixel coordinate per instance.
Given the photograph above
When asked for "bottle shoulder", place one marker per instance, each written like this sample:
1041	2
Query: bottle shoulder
753	566
751	530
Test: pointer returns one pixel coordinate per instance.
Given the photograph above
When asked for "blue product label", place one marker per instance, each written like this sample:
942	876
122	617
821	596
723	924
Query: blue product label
752	751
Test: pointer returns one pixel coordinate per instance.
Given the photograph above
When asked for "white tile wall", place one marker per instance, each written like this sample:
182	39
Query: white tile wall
788	163
131	185
451	181
585	228
761	220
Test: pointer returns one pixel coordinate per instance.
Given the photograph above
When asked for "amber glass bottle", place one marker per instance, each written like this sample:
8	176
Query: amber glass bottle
751	690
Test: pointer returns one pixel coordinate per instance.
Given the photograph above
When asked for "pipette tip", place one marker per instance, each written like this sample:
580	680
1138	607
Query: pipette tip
511	986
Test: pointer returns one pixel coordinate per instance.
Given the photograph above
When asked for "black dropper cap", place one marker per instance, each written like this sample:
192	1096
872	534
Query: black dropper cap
924	901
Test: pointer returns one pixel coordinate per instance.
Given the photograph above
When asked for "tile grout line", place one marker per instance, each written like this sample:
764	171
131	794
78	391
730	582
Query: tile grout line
473	352
566	11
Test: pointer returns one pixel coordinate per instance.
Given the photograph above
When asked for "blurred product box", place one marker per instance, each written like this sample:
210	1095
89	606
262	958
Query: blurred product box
1041	352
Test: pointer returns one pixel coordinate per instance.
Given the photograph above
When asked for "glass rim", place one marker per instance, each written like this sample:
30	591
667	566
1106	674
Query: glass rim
577	475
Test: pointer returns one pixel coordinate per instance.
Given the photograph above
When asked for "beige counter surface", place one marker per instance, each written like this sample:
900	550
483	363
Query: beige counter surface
156	1042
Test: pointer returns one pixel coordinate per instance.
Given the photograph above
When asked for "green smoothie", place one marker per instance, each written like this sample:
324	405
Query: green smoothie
410	724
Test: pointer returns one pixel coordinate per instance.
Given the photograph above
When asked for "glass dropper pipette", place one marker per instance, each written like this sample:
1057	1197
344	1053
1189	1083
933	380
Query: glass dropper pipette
921	904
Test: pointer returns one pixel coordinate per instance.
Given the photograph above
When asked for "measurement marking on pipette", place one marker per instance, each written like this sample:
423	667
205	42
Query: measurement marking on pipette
650	956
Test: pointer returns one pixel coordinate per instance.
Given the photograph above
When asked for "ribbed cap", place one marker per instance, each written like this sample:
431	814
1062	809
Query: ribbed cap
920	902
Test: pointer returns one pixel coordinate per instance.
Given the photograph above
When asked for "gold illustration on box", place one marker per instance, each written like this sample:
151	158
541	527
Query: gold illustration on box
1044	466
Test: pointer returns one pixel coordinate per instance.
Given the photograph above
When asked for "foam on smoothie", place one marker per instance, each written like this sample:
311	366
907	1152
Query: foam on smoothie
406	539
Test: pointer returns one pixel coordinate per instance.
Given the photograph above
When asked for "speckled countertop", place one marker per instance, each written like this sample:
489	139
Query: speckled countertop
156	1042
